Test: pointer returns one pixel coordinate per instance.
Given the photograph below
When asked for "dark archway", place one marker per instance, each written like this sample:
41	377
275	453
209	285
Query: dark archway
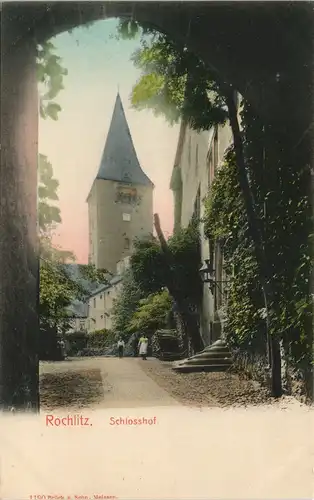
229	36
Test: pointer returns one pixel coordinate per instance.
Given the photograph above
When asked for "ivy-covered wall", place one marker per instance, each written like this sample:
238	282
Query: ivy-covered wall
279	180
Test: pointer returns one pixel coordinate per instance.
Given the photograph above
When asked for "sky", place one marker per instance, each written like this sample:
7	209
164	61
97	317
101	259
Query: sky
98	65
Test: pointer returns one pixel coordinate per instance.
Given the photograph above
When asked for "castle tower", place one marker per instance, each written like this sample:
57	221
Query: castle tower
120	202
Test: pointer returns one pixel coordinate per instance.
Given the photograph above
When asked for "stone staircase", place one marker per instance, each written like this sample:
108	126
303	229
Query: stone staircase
214	358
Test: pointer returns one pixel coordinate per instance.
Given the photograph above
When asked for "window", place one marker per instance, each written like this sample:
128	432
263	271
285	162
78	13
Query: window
210	165
94	302
108	293
100	297
102	317
215	150
196	157
126	244
126	217
197	205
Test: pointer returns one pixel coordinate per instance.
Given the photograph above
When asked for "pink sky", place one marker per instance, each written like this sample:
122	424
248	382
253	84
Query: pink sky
97	63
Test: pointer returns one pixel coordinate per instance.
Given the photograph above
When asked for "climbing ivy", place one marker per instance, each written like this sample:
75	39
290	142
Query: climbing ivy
225	219
150	271
278	182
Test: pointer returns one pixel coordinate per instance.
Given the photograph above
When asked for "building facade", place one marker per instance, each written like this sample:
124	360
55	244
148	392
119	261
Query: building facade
199	155
120	202
100	304
101	300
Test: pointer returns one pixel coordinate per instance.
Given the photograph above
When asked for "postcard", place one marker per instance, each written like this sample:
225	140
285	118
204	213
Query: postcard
156	250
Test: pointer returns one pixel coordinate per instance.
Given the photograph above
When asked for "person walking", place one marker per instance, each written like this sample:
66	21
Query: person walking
135	347
120	347
61	344
143	346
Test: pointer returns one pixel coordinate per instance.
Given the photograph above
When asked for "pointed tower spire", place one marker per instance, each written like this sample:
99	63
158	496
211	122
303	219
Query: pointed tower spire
119	160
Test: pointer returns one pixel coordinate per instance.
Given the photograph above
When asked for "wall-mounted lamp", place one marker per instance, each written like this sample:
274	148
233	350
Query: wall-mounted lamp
207	273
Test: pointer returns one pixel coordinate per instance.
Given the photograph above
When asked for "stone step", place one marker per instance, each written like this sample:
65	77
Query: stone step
201	368
211	355
214	348
214	358
209	362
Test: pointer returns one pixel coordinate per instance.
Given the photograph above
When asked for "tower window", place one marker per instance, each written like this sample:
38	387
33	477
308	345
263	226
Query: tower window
126	217
215	150
189	151
94	302
196	157
126	243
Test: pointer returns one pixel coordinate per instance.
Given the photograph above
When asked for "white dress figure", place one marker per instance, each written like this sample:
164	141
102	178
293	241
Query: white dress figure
143	346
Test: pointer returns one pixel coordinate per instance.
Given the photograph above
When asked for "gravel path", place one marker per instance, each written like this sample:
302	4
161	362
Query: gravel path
96	383
99	383
206	389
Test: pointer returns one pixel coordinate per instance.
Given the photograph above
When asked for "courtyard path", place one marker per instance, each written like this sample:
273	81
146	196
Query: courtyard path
123	383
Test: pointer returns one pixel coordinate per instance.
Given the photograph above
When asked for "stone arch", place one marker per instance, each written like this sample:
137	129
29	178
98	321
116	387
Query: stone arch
229	36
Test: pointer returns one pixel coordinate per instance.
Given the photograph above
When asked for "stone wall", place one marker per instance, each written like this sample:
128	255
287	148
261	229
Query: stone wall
195	165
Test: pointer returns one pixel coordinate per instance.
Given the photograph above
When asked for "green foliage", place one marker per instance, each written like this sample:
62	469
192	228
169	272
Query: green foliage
126	303
57	291
76	341
57	288
90	273
89	343
48	215
225	219
100	339
50	74
151	313
279	187
149	266
174	83
185	248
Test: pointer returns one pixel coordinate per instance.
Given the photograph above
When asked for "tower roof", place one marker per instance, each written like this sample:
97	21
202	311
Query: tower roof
119	161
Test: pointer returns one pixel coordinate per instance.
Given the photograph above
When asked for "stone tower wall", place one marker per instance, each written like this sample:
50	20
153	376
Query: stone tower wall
109	233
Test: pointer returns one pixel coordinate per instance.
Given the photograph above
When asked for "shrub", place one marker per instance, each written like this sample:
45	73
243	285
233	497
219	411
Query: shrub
100	339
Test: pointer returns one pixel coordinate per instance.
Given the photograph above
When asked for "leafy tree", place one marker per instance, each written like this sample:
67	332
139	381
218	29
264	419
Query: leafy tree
176	84
57	291
149	263
58	288
151	313
167	85
173	264
50	74
48	215
126	304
